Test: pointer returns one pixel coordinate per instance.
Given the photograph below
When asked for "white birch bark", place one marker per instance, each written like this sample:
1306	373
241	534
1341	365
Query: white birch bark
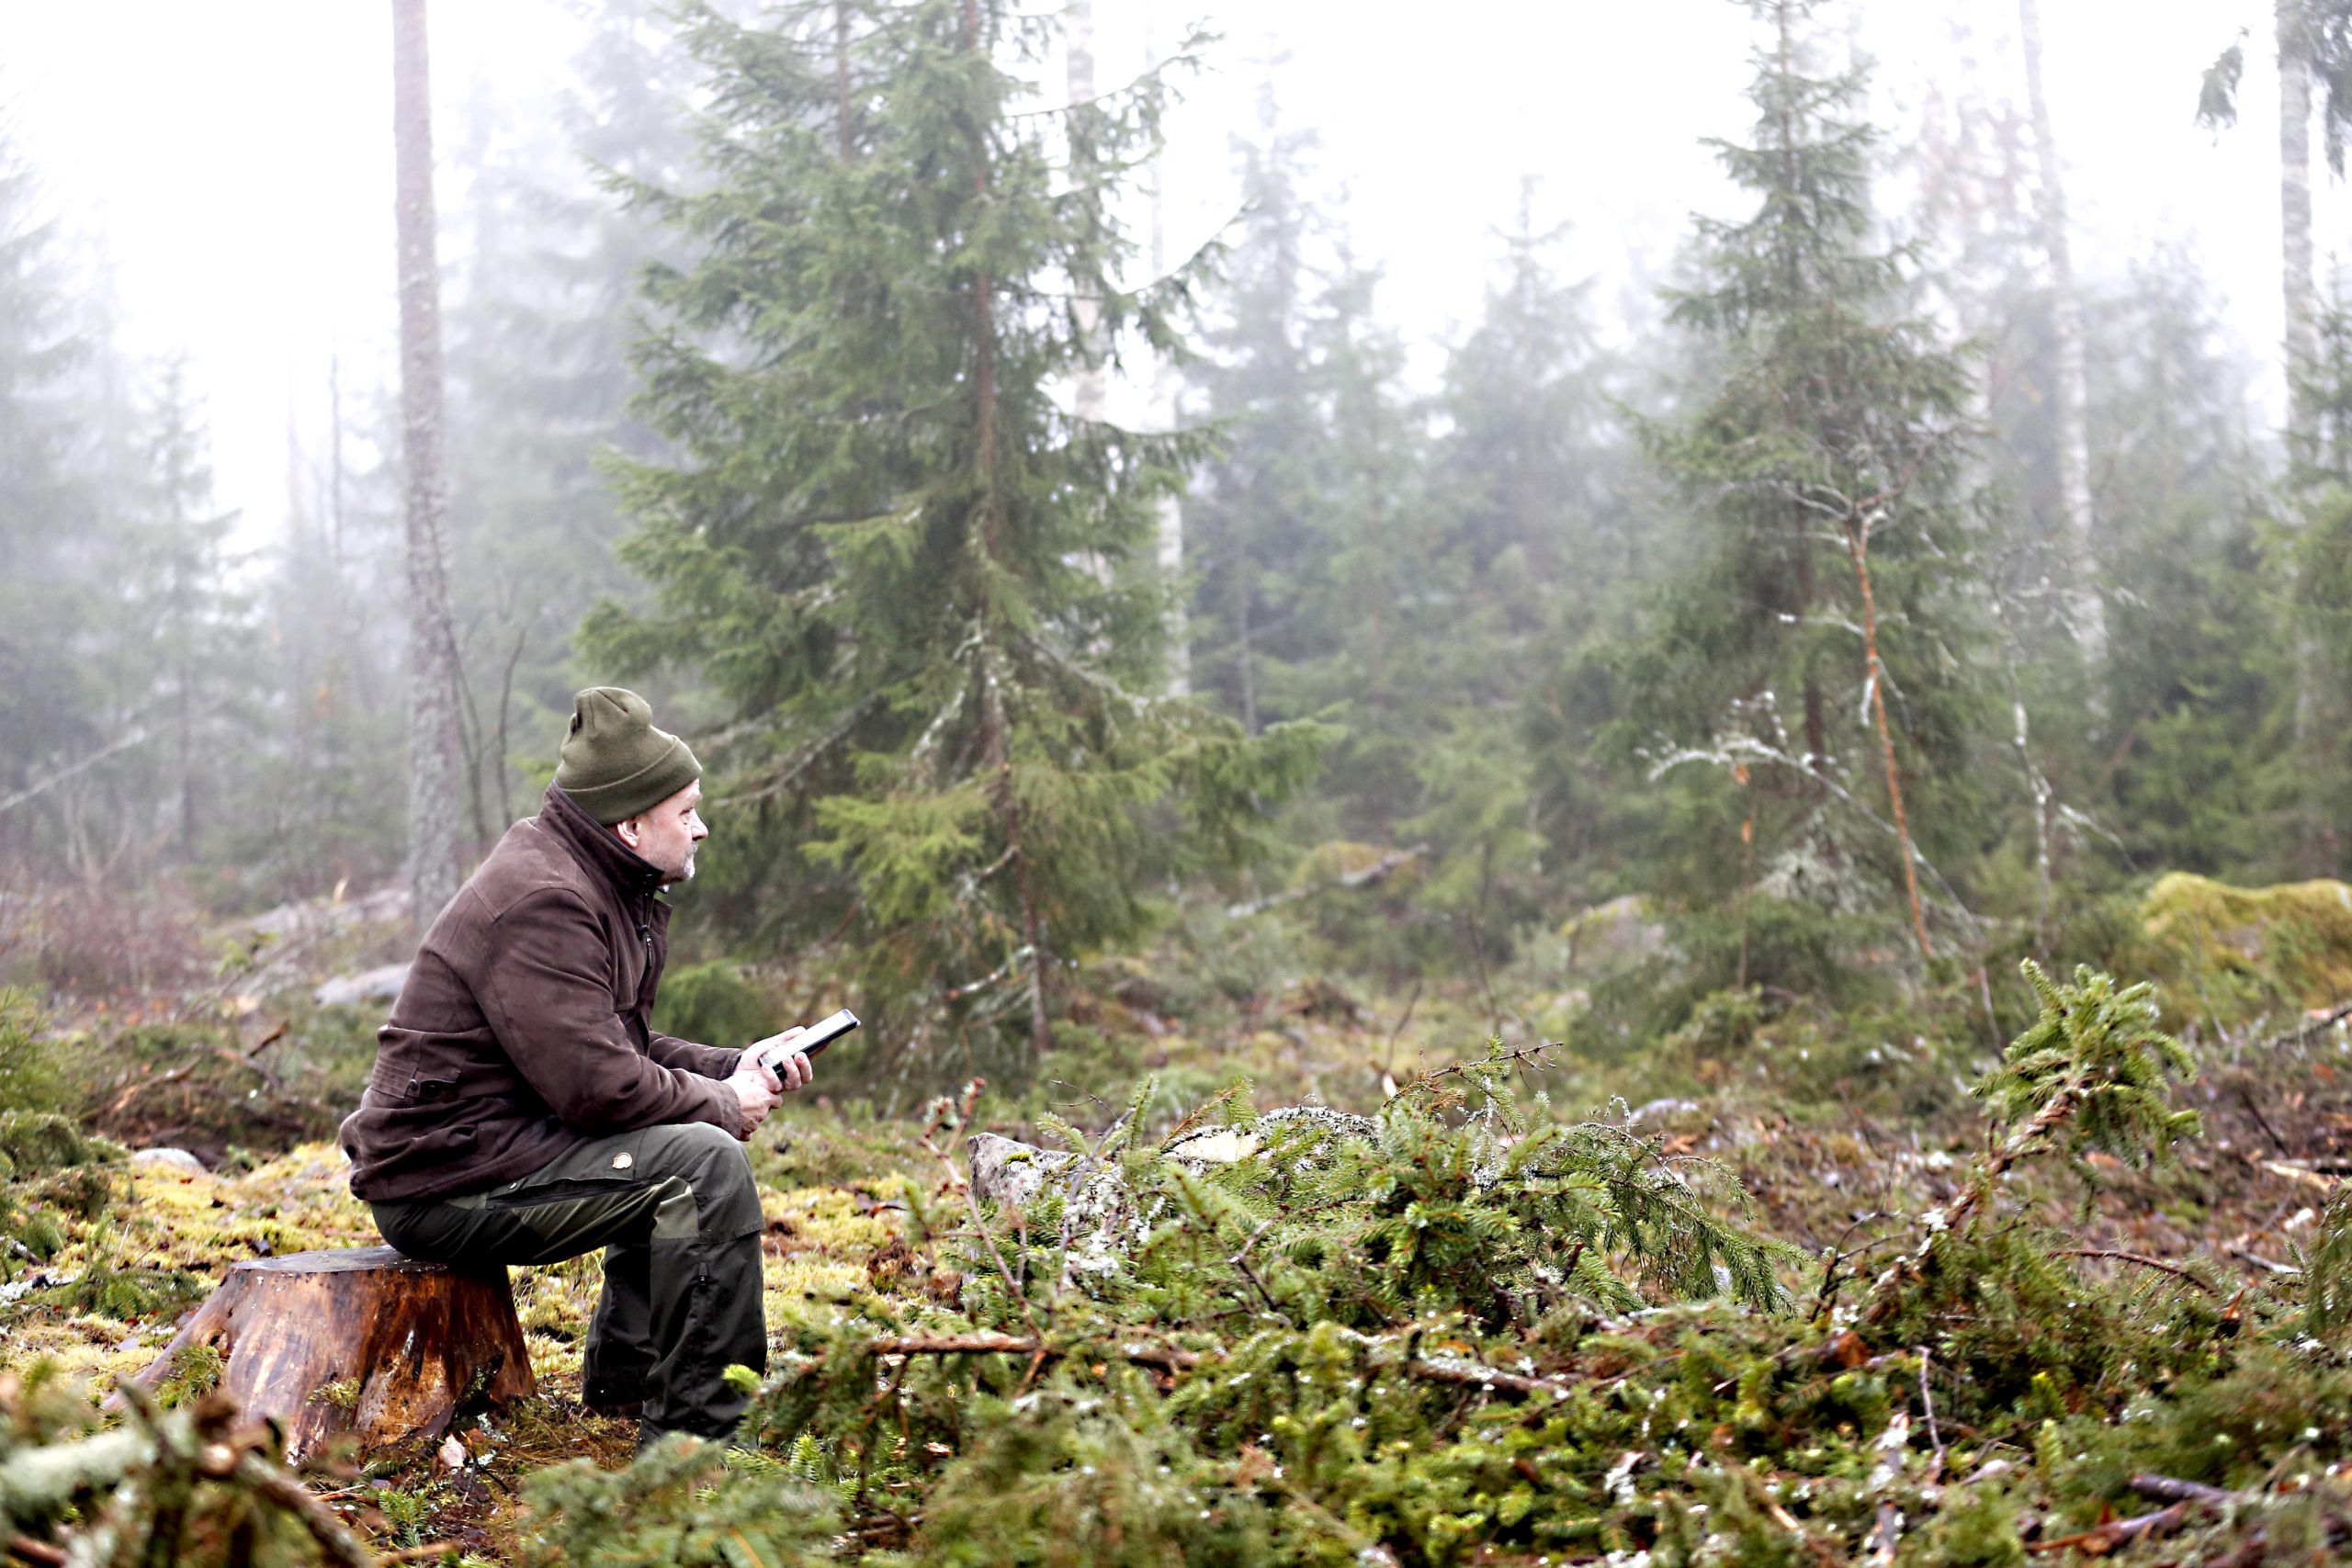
2087	611
2293	22
2295	221
1163	413
433	741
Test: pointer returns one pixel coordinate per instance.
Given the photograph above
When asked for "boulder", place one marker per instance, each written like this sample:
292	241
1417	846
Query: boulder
378	985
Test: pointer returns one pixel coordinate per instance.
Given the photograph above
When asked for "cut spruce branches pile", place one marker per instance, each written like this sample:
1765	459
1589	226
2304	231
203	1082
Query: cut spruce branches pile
1477	1334
1464	1330
1472	1333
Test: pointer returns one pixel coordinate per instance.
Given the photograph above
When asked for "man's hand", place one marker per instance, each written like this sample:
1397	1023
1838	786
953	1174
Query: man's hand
794	1072
757	1088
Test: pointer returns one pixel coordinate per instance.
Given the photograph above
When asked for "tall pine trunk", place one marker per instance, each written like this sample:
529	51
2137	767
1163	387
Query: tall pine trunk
434	787
2087	611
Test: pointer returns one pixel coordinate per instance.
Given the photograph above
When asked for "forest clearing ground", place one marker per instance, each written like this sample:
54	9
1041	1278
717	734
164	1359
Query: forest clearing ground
2225	1218
106	1304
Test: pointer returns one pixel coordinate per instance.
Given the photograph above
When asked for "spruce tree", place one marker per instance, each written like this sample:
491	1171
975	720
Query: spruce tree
1255	535
1815	662
46	509
915	584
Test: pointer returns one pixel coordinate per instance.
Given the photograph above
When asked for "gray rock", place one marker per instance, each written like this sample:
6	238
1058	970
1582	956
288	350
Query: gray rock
380	985
318	915
1607	935
170	1159
1010	1173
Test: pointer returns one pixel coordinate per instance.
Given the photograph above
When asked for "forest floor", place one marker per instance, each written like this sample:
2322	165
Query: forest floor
2206	1248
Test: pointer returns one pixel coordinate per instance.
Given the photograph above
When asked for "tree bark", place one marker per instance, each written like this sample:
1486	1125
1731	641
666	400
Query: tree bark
362	1341
2087	611
2300	297
1858	546
433	748
1171	519
996	742
2293	24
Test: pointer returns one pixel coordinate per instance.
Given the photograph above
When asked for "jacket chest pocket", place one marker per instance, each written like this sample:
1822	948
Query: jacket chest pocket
630	955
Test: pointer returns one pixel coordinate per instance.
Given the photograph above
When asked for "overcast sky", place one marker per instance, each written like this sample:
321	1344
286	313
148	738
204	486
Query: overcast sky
237	153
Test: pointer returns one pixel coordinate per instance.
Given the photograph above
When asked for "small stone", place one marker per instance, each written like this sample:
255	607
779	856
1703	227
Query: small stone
452	1453
170	1159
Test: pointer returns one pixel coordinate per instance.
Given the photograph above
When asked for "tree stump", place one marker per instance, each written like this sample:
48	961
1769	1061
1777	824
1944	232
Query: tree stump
361	1341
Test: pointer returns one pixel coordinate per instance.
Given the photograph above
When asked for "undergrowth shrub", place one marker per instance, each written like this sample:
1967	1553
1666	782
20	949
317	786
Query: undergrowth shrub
32	1077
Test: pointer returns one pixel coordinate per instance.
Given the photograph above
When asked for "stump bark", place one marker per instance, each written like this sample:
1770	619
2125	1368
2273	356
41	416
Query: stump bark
361	1341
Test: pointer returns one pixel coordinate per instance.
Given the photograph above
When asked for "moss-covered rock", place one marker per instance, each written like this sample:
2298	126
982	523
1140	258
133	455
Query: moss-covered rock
2224	955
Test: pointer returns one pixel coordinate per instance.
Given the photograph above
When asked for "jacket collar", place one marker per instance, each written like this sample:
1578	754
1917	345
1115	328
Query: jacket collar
598	847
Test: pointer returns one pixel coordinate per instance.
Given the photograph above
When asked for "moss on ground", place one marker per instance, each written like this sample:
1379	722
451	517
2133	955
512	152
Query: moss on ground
2108	1320
2225	956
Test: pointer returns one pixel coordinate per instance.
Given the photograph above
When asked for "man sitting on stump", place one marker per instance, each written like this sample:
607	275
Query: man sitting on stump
522	1111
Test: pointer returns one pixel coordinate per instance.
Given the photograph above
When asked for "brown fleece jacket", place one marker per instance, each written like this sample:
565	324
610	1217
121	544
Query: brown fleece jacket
522	1030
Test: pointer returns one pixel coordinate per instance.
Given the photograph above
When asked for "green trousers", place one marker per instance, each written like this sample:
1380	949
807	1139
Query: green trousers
676	1213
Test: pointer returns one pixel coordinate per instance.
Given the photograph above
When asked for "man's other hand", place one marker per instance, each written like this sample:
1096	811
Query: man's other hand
757	1088
795	1072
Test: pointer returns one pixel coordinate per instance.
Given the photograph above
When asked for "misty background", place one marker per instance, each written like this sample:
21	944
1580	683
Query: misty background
231	165
1752	469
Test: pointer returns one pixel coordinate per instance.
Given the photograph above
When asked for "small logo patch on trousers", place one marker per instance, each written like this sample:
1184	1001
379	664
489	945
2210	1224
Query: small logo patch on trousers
623	1160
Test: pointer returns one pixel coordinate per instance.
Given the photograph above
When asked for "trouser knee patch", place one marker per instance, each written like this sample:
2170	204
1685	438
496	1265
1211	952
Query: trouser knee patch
676	1217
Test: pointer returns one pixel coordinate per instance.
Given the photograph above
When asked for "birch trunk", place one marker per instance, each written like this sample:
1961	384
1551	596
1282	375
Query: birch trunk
1163	408
2293	22
435	790
2087	611
2295	222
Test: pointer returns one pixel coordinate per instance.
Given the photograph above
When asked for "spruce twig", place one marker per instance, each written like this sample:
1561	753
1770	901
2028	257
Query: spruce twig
2091	1070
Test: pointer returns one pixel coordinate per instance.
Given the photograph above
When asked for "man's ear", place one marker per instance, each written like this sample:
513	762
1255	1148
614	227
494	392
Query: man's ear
631	830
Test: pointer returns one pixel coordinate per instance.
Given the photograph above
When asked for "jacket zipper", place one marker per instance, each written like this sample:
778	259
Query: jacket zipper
645	935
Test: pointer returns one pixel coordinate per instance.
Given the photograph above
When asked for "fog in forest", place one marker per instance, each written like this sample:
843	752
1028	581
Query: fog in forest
1563	783
235	178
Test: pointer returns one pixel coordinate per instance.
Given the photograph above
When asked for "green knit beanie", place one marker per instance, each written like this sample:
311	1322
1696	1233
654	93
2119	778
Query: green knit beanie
615	764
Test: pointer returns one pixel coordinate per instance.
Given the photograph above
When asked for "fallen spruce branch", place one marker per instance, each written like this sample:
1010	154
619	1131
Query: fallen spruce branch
2089	1073
2173	1490
2100	1540
37	1483
2175	1269
2182	1496
1452	1371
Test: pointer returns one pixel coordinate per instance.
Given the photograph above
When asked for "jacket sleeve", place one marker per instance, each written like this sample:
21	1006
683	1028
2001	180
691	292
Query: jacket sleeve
548	994
685	1056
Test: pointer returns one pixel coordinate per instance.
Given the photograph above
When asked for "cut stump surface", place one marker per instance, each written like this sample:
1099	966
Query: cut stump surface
361	1341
